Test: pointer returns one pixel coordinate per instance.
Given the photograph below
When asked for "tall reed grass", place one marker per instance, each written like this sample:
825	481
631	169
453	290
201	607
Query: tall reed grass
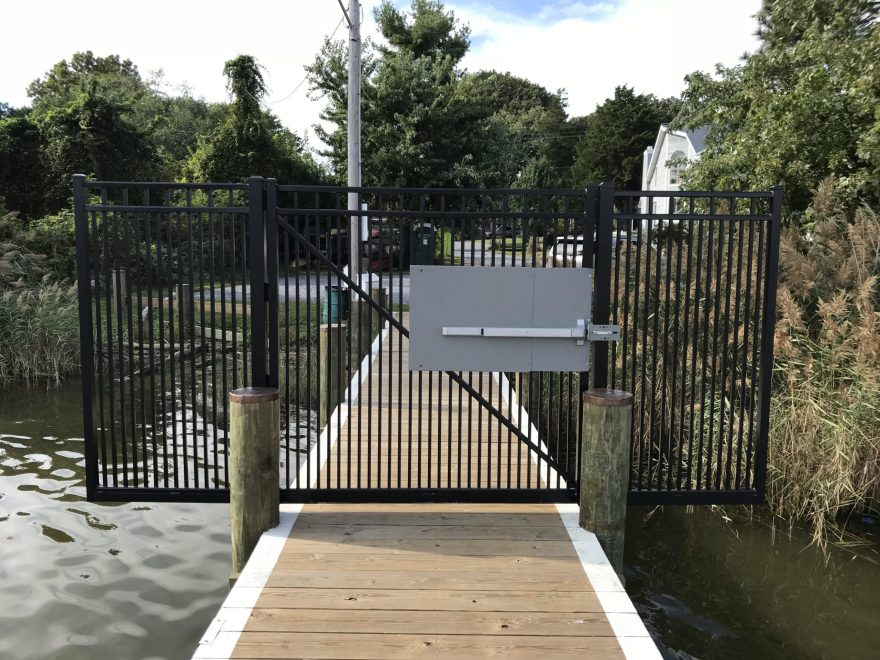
39	333
39	323
825	418
824	446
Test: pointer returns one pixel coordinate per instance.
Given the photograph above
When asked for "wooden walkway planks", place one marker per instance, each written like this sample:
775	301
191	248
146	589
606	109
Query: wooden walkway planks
422	580
405	431
354	581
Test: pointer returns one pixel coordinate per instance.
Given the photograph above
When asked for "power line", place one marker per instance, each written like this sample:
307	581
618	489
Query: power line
306	77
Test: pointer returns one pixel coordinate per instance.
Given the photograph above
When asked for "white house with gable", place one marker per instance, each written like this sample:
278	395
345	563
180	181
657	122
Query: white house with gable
664	163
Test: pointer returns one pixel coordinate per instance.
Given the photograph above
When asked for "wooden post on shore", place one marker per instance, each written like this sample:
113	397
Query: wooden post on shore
254	442
118	288
331	368
607	424
362	330
184	309
381	298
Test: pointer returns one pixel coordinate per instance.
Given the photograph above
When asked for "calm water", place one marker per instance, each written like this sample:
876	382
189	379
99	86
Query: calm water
83	580
707	588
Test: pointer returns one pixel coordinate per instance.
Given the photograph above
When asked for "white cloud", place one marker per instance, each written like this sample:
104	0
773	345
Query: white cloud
646	44
586	47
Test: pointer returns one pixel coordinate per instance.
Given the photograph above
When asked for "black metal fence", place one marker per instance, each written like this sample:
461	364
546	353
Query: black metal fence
693	285
424	451
190	290
163	273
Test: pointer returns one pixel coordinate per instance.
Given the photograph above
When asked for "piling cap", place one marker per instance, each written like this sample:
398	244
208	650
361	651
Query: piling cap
607	397
253	395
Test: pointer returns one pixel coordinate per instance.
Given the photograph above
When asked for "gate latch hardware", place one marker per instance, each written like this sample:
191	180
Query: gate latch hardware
603	332
582	332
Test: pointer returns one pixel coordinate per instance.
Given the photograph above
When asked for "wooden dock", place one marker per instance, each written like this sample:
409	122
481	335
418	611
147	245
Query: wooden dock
424	580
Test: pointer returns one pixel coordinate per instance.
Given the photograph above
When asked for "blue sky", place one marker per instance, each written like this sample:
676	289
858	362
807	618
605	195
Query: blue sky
593	10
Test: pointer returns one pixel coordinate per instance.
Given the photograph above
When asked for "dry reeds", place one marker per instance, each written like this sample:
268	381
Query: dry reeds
39	324
39	333
825	423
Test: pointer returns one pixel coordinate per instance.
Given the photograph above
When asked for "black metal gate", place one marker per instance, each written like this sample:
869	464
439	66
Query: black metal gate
190	290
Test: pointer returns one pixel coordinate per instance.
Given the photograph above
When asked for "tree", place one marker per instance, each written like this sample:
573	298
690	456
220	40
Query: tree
109	77
22	174
617	133
536	125
800	109
249	141
90	135
421	127
172	123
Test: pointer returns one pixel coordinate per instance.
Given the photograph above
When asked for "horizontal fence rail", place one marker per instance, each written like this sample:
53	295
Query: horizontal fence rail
191	290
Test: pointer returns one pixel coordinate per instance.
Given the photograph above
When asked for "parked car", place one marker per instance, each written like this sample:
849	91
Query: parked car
569	250
501	231
566	251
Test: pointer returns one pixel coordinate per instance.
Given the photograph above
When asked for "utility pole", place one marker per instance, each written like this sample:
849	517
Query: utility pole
354	135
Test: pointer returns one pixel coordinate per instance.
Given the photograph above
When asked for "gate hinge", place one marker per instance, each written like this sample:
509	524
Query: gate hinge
607	332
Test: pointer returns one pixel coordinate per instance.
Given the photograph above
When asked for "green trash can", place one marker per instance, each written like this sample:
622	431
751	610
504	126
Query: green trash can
423	242
337	301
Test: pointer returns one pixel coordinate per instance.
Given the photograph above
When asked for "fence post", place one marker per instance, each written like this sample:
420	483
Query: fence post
602	282
86	330
254	493
333	341
257	264
768	325
607	425
272	256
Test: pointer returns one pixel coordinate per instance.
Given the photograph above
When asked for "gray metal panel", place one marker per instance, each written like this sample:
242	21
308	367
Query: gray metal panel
562	296
465	296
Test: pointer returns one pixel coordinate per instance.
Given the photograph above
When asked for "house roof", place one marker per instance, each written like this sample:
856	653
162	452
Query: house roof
696	136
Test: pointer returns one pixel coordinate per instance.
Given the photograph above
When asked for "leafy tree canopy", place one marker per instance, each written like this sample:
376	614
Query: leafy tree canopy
249	141
109	77
800	109
21	167
90	136
536	124
430	31
425	121
617	133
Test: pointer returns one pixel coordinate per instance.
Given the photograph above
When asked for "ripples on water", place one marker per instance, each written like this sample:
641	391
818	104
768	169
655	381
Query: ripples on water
87	580
143	580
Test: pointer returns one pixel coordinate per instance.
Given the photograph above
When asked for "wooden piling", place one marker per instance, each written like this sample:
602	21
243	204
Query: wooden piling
607	424
381	298
184	309
254	437
332	368
119	305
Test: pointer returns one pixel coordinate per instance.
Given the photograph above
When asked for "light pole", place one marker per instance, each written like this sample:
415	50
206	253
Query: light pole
353	17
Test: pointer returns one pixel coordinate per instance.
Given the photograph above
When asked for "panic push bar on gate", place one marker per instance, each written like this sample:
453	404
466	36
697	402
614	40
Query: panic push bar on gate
583	332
